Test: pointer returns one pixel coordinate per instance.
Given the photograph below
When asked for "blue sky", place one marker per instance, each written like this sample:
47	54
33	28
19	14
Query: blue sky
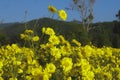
14	10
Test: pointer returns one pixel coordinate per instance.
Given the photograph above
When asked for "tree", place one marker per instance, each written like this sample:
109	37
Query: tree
118	15
85	8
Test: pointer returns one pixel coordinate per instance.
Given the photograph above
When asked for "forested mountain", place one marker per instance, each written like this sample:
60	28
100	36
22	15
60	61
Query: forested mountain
102	33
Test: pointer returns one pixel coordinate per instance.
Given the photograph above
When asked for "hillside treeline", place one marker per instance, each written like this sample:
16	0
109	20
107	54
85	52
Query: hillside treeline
100	34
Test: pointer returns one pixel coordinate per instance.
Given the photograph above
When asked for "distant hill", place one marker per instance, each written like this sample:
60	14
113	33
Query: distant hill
101	34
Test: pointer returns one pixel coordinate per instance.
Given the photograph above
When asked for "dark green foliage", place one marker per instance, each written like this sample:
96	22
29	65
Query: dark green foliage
115	40
100	34
83	37
116	28
104	34
116	35
2	39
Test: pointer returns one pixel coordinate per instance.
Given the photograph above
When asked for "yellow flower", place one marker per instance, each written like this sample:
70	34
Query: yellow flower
1	72
66	64
34	62
20	71
36	71
85	66
1	78
28	78
13	79
69	78
62	39
62	14
66	50
52	9
35	38
55	52
76	42
17	63
88	75
45	77
16	48
108	75
43	30
23	36
118	76
54	40
28	31
50	68
99	52
48	75
1	64
49	31
29	59
88	50
108	52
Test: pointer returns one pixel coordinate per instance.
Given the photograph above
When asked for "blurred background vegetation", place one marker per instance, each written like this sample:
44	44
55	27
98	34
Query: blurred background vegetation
100	34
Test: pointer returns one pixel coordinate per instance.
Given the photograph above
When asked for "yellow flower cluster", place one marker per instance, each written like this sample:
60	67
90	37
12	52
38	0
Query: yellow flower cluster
57	59
66	64
29	35
21	63
62	13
